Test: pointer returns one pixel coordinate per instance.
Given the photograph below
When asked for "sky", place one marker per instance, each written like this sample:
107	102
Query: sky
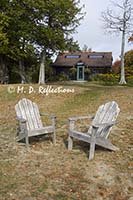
91	32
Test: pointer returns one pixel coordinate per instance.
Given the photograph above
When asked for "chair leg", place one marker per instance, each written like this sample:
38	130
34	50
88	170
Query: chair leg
27	141
70	143
54	138
26	138
92	148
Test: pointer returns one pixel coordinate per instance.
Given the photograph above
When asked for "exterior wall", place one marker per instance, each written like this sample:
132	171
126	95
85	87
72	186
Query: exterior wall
100	70
59	70
63	70
72	74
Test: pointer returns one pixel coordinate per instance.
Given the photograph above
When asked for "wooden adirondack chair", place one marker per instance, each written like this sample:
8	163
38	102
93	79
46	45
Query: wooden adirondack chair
30	123
99	129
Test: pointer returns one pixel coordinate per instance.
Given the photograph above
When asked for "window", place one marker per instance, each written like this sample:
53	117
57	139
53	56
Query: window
72	56
95	56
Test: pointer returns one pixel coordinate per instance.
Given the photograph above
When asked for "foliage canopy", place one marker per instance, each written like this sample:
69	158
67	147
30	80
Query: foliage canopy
28	27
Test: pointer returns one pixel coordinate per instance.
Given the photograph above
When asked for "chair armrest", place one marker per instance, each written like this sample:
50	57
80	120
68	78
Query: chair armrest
22	127
21	120
73	119
49	115
81	117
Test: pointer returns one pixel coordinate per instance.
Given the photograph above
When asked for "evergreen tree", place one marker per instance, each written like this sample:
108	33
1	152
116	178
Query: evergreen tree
30	28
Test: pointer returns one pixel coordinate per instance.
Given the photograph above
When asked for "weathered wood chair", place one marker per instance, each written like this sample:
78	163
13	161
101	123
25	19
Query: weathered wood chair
99	129
30	123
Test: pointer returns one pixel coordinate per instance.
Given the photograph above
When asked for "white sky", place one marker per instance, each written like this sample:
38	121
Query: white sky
91	32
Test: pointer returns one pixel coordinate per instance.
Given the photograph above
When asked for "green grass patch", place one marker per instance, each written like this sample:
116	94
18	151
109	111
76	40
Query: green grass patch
79	101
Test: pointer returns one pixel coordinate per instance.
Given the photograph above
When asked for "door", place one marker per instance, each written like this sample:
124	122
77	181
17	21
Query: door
80	73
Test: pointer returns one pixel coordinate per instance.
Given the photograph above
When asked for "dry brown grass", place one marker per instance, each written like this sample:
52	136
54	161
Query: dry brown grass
47	172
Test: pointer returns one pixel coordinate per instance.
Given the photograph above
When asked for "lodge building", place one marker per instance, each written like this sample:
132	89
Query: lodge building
78	65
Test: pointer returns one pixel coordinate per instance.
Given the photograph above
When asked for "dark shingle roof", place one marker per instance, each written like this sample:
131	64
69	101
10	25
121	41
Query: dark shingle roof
88	58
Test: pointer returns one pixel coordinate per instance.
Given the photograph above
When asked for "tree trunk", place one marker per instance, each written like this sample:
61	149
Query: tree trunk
22	72
42	70
4	78
122	77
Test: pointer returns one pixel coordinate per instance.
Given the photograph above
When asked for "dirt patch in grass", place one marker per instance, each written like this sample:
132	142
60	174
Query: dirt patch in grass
47	172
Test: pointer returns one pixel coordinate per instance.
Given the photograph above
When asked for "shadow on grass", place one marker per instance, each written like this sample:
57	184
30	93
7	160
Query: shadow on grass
37	139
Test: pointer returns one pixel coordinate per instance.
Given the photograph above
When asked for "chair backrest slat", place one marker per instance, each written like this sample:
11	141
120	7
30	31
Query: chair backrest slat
106	113
29	111
37	115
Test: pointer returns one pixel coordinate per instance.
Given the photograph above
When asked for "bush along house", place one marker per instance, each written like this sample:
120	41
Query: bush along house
80	65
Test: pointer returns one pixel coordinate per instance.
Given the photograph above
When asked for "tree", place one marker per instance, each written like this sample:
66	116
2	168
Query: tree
116	66
30	29
72	46
59	20
42	70
128	57
16	25
3	40
86	49
119	21
130	38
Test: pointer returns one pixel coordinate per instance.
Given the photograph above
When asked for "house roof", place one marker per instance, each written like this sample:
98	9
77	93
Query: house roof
92	59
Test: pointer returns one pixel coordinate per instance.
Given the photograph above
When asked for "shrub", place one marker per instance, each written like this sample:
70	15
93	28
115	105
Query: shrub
72	73
130	79
73	70
63	77
87	71
106	78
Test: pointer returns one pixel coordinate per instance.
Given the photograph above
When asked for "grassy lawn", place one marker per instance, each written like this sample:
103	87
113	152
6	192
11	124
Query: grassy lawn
47	172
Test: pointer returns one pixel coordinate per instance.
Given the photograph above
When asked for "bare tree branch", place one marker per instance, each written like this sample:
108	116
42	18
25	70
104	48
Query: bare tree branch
116	4
120	22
